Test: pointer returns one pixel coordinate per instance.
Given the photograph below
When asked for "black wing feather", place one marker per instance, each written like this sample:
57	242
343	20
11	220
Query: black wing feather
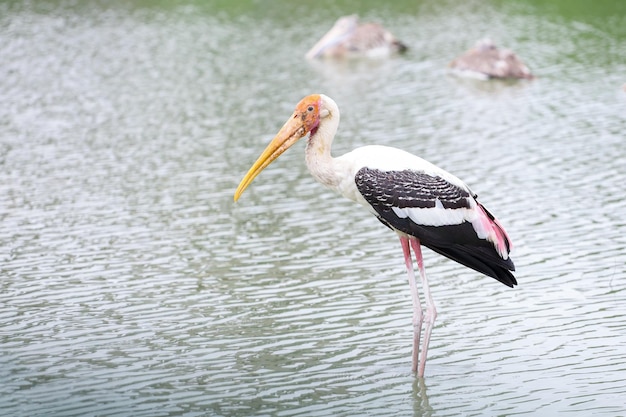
384	190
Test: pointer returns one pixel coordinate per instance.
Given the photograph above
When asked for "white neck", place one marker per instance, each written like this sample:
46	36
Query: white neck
317	154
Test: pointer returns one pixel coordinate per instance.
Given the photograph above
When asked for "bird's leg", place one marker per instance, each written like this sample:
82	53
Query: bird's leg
431	312
418	316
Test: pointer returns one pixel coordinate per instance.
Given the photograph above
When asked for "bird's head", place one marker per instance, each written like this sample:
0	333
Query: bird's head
304	120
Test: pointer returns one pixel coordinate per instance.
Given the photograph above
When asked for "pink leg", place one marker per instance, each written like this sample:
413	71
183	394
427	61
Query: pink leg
417	308
431	312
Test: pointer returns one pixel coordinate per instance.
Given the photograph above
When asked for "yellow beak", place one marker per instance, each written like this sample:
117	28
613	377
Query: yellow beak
290	133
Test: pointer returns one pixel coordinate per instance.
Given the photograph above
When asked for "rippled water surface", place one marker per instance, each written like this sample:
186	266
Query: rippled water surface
131	284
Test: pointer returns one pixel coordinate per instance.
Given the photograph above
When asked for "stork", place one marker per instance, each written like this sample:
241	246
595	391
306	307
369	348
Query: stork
349	39
422	203
485	61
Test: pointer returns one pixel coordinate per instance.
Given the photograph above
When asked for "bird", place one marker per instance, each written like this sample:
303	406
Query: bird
485	61
349	39
422	203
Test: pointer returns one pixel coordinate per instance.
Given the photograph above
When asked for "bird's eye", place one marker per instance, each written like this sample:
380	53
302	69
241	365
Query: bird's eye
310	108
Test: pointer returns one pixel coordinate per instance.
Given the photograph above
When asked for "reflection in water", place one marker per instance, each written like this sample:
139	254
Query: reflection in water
132	284
421	407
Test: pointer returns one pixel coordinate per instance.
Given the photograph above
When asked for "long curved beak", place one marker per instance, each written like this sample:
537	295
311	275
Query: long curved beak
289	134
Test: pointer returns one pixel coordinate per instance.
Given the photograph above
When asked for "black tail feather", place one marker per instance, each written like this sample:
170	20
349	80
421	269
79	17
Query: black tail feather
475	257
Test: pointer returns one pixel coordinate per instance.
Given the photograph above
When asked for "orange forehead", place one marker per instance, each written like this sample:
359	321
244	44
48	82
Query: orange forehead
312	100
308	112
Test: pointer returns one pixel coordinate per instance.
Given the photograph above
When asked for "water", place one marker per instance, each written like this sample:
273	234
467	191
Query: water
133	285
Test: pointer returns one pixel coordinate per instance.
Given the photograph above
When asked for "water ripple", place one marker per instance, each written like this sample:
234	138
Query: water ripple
132	283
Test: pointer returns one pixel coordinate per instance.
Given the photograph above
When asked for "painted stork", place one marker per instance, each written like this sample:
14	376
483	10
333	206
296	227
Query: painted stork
349	39
422	203
485	61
